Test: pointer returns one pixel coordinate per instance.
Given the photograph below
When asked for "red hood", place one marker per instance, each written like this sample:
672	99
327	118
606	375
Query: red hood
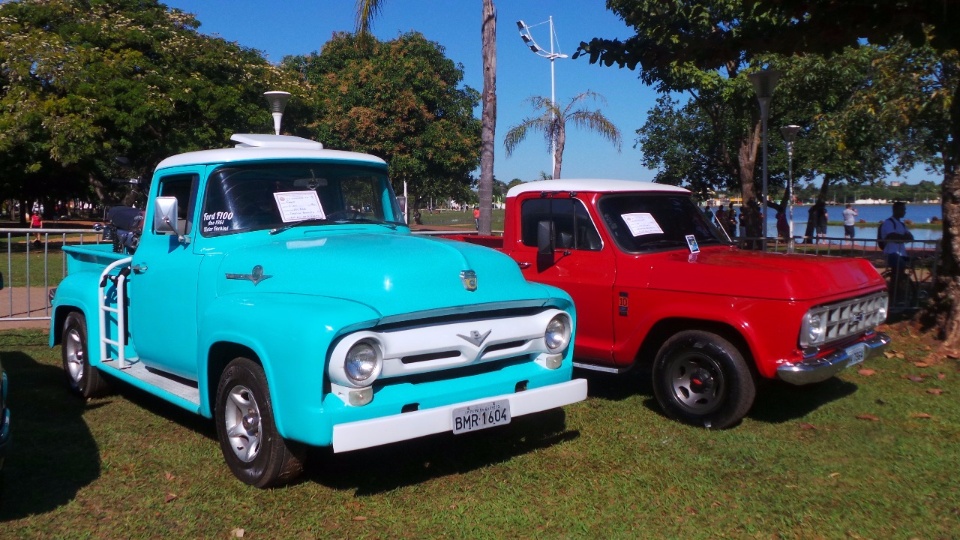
755	274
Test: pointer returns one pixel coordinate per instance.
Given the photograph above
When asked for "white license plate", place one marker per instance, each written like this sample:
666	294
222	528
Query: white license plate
482	416
856	353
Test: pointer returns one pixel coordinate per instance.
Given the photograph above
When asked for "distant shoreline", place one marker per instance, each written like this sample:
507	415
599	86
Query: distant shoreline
912	225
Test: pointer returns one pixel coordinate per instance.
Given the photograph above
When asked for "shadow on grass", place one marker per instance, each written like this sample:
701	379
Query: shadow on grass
385	468
53	454
776	401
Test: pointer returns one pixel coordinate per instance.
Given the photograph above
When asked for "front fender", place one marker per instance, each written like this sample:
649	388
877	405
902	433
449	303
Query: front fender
77	292
291	335
750	318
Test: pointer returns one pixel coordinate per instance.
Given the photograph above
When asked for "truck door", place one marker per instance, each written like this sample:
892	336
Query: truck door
163	287
580	265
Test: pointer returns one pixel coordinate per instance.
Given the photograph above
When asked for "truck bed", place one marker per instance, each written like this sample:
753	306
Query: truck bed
90	257
495	242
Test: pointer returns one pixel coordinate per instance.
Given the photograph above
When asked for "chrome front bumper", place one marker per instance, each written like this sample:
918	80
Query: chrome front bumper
820	369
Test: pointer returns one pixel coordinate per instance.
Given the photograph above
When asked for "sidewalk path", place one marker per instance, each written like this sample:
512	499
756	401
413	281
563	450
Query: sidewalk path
15	302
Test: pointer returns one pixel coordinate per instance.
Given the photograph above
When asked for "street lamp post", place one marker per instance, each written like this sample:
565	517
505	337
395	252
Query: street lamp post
527	38
277	100
789	134
764	83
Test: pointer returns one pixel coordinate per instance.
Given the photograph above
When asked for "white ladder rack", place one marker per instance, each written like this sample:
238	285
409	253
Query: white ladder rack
119	280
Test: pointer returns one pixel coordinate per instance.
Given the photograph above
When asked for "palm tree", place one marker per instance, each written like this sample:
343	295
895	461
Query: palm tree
367	10
553	124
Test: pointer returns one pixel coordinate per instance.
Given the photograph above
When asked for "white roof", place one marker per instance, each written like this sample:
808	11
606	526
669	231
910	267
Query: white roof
259	147
592	185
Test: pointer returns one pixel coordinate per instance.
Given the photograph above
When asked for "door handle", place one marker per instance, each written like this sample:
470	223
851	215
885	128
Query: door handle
523	265
139	268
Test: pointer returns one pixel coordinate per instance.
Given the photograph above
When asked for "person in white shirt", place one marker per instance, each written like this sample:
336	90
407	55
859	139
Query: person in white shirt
895	234
849	220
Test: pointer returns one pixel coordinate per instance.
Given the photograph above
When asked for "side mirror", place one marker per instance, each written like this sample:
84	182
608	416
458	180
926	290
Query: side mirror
545	244
545	238
165	217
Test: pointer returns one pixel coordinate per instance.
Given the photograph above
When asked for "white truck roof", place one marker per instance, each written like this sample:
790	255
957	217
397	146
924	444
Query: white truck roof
593	185
256	146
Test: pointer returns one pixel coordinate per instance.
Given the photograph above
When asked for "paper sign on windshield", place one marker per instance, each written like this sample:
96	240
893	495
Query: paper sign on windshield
299	205
641	224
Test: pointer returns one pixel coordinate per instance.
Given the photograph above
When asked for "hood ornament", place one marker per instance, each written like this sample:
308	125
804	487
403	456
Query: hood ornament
475	337
255	276
469	280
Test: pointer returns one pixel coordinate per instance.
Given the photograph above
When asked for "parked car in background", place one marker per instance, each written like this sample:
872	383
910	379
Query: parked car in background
655	283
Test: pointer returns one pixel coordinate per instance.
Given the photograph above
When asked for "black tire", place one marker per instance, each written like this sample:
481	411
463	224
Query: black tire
83	379
251	445
701	379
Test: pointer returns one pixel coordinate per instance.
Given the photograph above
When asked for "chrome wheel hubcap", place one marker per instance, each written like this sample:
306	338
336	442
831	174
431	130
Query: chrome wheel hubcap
242	422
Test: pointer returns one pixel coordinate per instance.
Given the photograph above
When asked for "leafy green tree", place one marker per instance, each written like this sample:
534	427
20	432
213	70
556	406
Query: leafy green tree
402	100
85	82
552	123
711	141
713	31
724	147
367	10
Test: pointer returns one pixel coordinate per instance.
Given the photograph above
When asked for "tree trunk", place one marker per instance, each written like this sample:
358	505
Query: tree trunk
747	157
488	116
945	309
561	142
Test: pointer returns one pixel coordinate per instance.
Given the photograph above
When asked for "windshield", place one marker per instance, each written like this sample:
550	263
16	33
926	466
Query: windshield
645	222
272	196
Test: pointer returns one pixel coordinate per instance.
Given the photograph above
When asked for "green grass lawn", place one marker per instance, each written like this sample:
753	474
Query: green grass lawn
462	220
869	454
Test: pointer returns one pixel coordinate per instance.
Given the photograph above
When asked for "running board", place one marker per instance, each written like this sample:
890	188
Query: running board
604	369
179	391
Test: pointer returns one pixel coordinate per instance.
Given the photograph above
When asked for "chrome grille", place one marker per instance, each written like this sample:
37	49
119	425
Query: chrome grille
854	316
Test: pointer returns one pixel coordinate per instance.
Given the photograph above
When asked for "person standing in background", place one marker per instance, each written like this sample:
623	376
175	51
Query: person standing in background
36	223
894	229
849	223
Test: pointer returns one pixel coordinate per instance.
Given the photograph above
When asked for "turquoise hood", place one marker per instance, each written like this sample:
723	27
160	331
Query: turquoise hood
397	273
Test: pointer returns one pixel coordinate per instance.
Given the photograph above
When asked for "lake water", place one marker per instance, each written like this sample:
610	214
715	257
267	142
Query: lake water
870	213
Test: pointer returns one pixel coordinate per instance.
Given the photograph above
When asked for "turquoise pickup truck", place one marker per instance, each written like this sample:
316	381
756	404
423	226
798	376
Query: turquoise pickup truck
276	289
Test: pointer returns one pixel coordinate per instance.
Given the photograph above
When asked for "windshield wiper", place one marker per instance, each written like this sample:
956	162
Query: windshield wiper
288	226
661	243
318	221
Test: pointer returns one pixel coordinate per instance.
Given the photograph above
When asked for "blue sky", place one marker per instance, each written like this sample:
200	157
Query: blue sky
303	26
290	27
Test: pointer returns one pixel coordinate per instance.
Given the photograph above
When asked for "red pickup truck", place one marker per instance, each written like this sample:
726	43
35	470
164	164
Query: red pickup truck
654	281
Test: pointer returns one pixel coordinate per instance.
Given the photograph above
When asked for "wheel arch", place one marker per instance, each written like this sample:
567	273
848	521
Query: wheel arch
666	328
219	355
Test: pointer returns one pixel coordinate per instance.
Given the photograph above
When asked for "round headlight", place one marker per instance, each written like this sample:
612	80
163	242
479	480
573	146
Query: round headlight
363	363
557	334
814	328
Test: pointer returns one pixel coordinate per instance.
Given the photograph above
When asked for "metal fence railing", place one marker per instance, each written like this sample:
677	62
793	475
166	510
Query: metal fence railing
30	265
30	268
909	288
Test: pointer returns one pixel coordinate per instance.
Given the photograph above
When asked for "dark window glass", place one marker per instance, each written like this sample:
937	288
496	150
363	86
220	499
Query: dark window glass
646	222
572	226
184	188
242	198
